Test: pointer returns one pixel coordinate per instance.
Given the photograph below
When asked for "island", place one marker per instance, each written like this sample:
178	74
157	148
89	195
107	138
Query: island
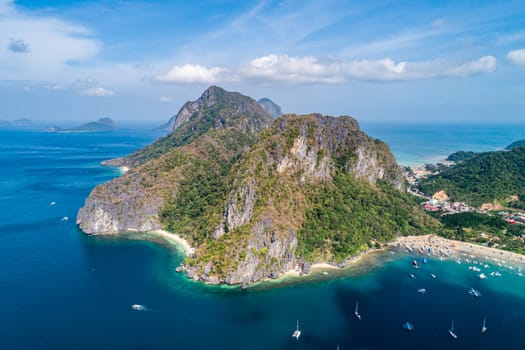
101	125
254	196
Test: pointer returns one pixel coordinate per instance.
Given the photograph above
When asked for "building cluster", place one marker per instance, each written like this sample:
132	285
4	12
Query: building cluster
436	205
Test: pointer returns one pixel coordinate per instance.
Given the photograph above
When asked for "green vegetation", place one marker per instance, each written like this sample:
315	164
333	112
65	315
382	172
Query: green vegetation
481	178
516	144
347	216
488	229
459	156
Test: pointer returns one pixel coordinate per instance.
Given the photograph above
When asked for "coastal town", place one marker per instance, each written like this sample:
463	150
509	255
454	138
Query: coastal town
440	203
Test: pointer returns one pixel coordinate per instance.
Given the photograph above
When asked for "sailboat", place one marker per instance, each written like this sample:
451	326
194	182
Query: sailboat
297	333
484	327
356	312
451	331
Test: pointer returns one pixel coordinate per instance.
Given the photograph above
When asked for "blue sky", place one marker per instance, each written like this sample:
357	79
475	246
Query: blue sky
377	60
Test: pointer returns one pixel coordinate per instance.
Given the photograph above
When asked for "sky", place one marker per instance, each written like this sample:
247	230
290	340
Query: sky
139	61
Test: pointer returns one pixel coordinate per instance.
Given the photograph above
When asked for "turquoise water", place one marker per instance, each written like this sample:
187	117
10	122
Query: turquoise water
420	143
60	289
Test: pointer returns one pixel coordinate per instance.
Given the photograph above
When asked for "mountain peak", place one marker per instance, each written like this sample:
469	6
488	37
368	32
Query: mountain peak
270	107
234	101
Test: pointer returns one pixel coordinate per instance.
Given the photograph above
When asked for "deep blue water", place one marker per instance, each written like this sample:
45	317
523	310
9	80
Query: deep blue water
60	289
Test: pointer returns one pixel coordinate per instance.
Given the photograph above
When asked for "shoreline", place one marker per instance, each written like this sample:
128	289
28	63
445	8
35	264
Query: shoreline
449	248
187	249
429	245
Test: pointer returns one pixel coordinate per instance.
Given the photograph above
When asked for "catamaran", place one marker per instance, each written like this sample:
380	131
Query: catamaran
356	312
484	327
451	331
297	333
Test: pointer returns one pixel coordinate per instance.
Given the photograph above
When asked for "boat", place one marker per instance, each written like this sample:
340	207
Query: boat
432	275
413	276
451	331
297	333
139	307
65	218
484	327
421	290
482	276
356	312
52	203
407	326
475	293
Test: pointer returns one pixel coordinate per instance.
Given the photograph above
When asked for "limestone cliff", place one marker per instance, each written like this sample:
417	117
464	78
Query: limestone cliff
254	199
225	125
273	188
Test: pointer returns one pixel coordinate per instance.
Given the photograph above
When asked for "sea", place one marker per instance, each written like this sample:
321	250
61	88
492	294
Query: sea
61	289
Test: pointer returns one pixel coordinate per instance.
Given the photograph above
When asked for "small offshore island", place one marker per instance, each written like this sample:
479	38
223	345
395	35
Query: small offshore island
252	198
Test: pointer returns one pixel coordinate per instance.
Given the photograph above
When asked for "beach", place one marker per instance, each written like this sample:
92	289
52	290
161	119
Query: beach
188	250
440	246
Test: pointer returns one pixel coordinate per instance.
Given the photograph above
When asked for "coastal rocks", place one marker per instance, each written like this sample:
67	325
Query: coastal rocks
112	209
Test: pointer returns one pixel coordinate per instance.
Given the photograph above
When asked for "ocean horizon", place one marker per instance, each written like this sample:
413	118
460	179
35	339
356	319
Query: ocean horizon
61	289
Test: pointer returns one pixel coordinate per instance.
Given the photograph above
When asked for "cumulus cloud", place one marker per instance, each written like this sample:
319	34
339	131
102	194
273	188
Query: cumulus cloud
18	46
190	73
517	57
314	70
97	91
292	69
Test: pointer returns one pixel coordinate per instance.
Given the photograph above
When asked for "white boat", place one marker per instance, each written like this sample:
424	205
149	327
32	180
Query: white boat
65	218
413	276
421	290
139	307
451	331
482	276
297	333
475	293
484	327
356	312
432	275
52	203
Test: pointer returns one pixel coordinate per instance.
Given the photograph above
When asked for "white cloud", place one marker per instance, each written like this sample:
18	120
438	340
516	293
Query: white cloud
190	73
517	57
314	70
97	91
165	99
292	69
51	46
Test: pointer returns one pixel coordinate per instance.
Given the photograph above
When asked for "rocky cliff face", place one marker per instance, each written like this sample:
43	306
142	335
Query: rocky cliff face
255	199
270	107
268	199
224	125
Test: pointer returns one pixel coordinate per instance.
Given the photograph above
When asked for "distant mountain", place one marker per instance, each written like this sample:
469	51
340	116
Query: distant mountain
103	124
516	144
270	107
18	123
